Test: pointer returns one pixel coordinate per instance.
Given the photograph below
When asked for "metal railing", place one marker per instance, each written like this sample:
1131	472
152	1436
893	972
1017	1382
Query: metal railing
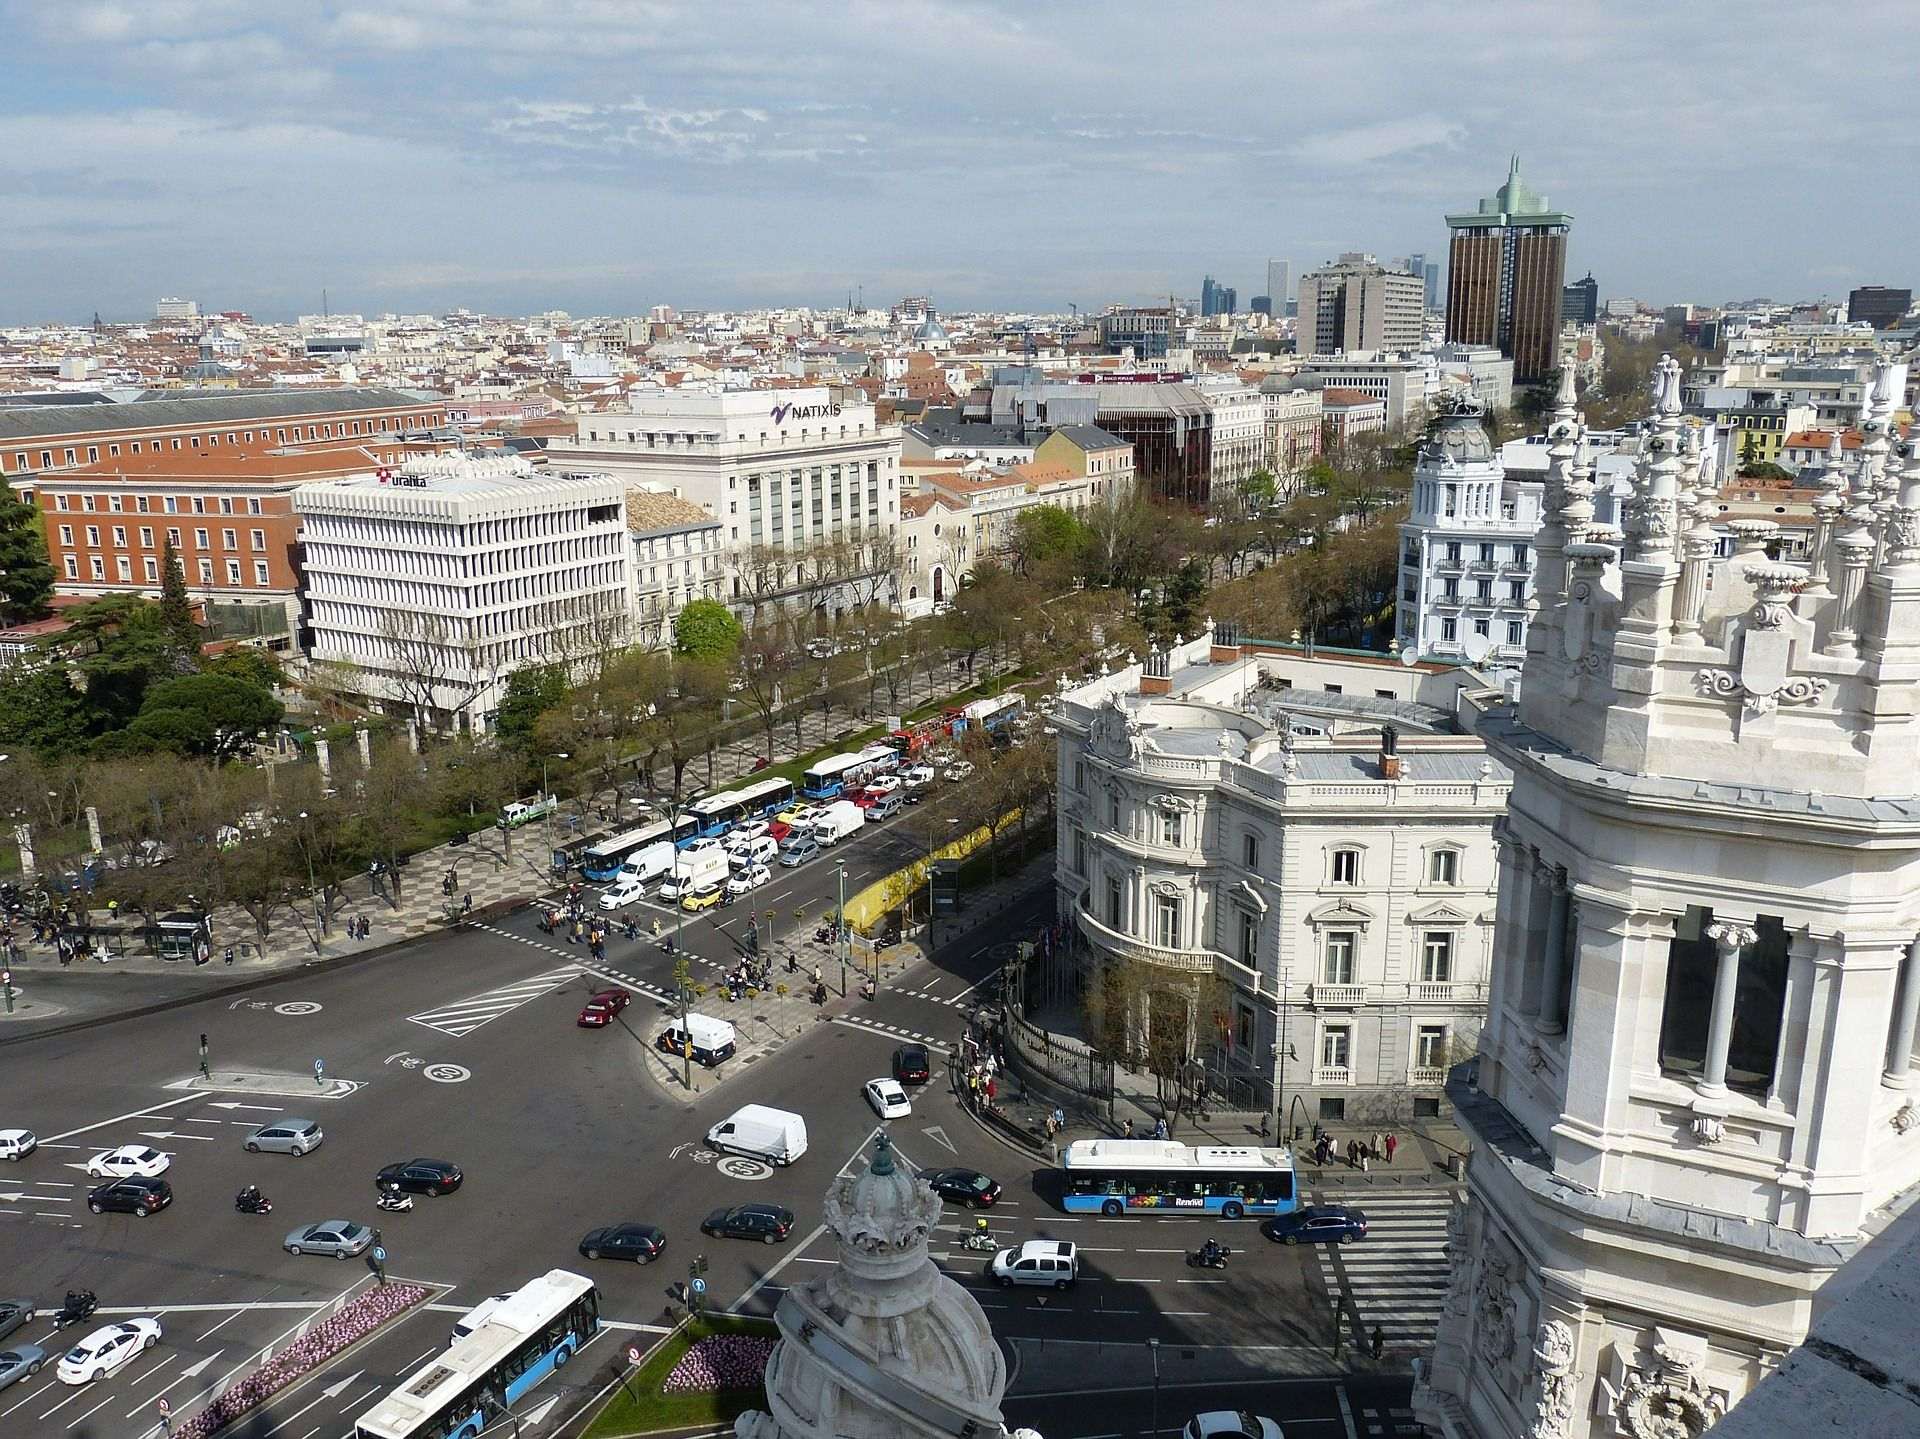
1058	1058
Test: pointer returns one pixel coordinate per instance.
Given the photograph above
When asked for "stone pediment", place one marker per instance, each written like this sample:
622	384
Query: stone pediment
1440	913
1246	894
1343	913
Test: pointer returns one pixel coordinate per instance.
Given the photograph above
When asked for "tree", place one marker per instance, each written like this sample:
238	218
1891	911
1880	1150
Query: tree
42	710
176	610
1042	537
435	670
210	715
1145	1017
985	611
256	666
389	809
26	579
706	630
531	691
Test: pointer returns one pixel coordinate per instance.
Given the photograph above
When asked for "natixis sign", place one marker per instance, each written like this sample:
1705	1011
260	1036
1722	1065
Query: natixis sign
783	412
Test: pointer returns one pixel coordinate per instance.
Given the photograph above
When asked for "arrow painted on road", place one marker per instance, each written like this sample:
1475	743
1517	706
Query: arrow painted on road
42	1198
199	1365
334	1391
939	1136
263	1108
541	1410
174	1134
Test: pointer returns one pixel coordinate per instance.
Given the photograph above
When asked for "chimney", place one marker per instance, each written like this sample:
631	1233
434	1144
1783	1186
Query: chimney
1389	753
1225	645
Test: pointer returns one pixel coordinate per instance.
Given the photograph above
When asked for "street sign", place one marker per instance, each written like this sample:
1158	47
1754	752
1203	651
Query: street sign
379	1254
163	1405
635	1354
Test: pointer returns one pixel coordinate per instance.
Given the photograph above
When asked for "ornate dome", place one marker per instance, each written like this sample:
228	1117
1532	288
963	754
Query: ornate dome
1456	434
931	331
885	1346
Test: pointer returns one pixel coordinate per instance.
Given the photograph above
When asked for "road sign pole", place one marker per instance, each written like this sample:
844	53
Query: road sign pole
6	983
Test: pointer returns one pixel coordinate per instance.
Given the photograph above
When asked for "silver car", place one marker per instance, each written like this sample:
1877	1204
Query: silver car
286	1136
339	1237
20	1361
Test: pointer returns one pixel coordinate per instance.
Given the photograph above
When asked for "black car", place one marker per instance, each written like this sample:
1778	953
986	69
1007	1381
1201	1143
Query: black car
131	1196
911	1065
420	1176
1317	1224
641	1243
963	1186
768	1223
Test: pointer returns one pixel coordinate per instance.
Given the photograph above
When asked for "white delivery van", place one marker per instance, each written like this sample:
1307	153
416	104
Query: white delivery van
838	820
694	871
713	1039
650	863
523	811
775	1135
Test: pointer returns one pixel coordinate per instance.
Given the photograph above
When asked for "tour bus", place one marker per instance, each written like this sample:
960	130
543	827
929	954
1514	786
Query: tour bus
991	715
718	813
529	1334
845	773
1160	1176
601	862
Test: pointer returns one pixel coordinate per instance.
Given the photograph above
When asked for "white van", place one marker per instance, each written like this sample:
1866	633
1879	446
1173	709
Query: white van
775	1135
649	864
838	820
521	811
713	1039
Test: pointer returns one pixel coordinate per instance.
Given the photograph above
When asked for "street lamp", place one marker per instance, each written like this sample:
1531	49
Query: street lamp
840	928
313	890
1153	1349
546	818
675	808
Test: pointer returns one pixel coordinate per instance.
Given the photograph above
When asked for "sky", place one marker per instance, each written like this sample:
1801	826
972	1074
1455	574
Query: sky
604	156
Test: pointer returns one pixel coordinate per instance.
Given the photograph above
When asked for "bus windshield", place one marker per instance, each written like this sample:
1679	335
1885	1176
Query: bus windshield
1114	1176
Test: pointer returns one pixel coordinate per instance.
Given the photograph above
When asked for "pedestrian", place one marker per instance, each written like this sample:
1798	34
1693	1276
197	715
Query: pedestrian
1353	1154
1266	1125
1126	1129
1379	1341
1393	1143
1160	1130
816	976
1059	1118
1373	1146
466	904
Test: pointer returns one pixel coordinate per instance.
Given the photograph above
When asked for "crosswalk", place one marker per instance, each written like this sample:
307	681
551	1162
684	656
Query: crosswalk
467	1015
893	1031
1396	1278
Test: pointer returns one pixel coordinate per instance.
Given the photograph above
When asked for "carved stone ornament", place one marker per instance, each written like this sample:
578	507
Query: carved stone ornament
1707	1129
1905	1118
1666	1398
1173	804
1114	732
1722	684
883	1210
1553	1367
1493	1309
1460	1272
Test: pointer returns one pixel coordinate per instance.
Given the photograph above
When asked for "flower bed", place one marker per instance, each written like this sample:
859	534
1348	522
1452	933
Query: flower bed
354	1322
720	1361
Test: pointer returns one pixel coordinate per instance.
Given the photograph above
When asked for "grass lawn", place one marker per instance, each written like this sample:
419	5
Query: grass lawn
638	1406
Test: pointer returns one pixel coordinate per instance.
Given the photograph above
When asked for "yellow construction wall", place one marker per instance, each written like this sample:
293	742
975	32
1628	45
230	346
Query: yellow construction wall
866	908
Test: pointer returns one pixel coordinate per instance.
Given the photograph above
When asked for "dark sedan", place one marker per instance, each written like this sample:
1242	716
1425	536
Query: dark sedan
911	1065
1317	1224
769	1223
963	1186
420	1176
641	1243
14	1313
139	1197
602	1008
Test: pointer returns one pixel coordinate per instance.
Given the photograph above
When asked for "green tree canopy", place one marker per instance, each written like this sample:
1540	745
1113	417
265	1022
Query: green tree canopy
42	710
26	579
532	690
706	630
1043	535
176	610
215	716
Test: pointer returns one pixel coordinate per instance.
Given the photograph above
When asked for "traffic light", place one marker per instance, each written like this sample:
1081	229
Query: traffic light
699	1264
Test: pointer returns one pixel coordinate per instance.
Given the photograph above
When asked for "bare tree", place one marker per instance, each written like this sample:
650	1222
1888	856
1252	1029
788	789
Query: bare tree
434	669
1152	1019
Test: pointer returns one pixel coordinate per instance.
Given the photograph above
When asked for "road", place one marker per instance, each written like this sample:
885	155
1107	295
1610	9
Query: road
463	1046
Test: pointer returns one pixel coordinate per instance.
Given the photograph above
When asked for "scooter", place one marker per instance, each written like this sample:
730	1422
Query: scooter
1203	1258
252	1201
983	1243
78	1309
393	1201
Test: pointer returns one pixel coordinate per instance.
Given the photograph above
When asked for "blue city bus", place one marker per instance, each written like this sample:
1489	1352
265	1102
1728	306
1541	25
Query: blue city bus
1159	1176
529	1334
845	773
718	813
601	861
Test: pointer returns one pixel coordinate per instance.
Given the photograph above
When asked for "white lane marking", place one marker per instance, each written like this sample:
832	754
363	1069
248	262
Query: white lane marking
101	1405
120	1119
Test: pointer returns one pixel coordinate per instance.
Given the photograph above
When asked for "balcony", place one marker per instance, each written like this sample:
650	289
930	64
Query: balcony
1441	992
1336	996
1426	1076
1332	1074
1181	961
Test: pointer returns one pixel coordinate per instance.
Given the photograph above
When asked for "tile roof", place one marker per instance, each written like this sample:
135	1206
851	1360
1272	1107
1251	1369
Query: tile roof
227	407
649	510
1091	437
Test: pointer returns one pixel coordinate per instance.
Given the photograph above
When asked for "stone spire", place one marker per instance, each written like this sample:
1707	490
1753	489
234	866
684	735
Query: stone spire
885	1346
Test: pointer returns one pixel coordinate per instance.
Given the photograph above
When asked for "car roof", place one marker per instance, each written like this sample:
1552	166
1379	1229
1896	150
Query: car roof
1046	1249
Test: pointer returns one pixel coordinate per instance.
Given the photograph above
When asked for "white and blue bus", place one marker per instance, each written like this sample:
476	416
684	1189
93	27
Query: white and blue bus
1159	1176
718	813
602	860
834	777
530	1333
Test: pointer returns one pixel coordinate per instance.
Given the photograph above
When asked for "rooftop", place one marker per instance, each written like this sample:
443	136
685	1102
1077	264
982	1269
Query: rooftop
649	511
225	407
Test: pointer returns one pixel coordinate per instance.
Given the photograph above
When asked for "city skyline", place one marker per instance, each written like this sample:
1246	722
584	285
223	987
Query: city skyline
601	158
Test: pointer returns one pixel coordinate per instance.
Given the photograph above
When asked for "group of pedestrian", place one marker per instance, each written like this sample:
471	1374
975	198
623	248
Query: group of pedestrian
982	1087
1360	1152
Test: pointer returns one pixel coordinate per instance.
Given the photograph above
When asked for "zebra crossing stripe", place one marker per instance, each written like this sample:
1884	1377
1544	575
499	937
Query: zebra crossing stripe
466	1015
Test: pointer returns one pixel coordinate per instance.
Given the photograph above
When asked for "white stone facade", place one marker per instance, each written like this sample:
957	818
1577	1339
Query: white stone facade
1696	1095
1239	433
1239	820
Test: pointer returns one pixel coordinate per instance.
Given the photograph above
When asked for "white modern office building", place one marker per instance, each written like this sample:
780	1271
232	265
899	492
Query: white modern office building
426	585
1696	1099
1291	856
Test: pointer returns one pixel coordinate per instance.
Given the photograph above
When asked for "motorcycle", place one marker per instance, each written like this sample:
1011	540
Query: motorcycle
78	1309
393	1201
982	1243
252	1201
1209	1257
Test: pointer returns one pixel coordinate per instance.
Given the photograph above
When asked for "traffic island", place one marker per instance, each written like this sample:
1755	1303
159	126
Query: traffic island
709	1371
282	1086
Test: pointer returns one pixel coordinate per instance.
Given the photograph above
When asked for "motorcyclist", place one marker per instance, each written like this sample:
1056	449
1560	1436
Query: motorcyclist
1211	1251
980	1228
249	1198
79	1299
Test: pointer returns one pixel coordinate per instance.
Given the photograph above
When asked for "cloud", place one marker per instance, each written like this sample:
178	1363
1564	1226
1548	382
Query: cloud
1382	140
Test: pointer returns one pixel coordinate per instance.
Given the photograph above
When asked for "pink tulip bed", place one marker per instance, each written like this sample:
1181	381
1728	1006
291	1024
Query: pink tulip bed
354	1322
720	1361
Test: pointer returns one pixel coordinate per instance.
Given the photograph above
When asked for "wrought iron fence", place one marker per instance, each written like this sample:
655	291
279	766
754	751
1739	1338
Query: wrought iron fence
1059	1059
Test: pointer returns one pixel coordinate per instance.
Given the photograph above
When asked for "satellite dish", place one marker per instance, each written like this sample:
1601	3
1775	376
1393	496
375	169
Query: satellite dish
1476	648
1409	658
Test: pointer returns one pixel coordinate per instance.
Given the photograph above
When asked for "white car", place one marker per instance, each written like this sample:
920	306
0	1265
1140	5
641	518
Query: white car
129	1161
701	846
1050	1263
747	829
17	1143
755	851
622	893
1231	1424
105	1350
888	1099
883	784
745	881
962	770
917	776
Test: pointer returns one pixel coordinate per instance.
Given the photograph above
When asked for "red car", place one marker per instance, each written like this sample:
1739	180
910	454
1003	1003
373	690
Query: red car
866	799
603	1007
778	830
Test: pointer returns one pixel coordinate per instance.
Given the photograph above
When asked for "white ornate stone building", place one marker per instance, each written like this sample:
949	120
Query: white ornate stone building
884	1345
1314	833
1695	1096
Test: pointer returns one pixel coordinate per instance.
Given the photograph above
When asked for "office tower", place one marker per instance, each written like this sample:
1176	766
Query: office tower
1215	298
1506	273
1880	306
1428	273
1279	284
1356	303
1580	301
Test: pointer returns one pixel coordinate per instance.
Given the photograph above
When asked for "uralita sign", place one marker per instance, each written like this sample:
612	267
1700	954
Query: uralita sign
782	413
407	482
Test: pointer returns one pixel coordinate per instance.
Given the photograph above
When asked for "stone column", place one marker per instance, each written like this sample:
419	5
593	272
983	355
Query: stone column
1898	1073
323	756
364	738
1856	553
1729	939
23	836
1554	965
93	830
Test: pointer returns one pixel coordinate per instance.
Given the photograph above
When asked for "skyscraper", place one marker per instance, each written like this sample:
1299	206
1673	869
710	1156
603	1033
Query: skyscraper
1580	301
1358	304
1428	274
1879	305
1506	273
1279	284
1215	298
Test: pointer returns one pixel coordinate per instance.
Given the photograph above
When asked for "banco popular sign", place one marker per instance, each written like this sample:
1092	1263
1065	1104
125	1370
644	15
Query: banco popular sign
783	413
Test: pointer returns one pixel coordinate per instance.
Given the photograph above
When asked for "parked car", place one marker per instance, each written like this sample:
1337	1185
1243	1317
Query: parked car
748	829
1231	1424
960	771
964	1186
888	1099
341	1238
798	850
705	897
17	1143
768	1223
20	1362
747	880
911	1064
421	1176
138	1197
286	1136
129	1161
603	1007
917	776
622	893
14	1313
1051	1263
1317	1224
641	1243
106	1349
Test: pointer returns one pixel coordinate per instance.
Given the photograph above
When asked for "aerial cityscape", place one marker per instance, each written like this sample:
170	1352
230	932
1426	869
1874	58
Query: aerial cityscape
929	721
